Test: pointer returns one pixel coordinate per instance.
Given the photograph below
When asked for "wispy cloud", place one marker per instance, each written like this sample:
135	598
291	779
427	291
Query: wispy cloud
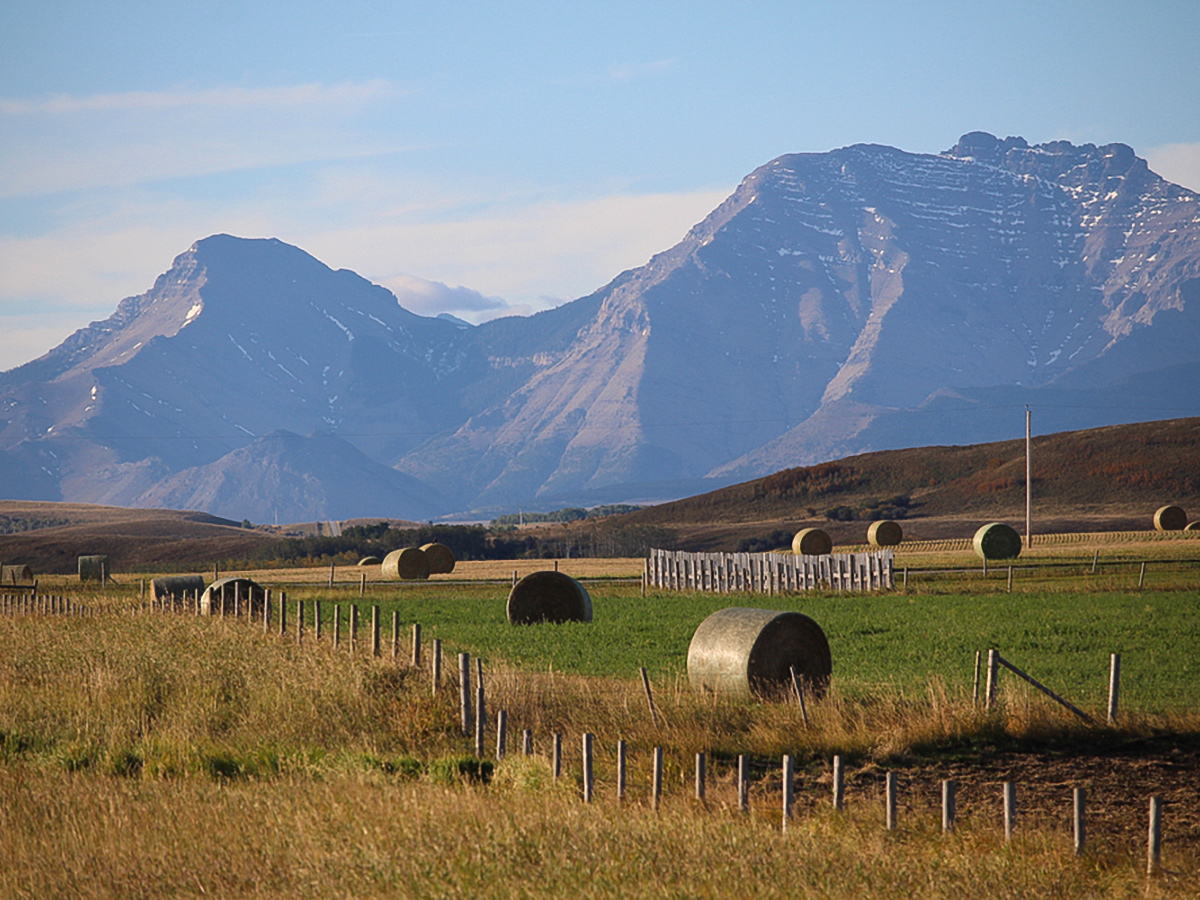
223	98
628	71
428	298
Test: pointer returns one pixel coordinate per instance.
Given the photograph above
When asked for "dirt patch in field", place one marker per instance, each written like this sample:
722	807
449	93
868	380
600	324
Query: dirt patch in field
1119	782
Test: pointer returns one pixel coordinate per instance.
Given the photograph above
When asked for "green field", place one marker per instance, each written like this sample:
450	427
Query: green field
890	642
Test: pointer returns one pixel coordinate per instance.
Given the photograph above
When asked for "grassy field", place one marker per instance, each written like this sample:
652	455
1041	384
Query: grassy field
147	755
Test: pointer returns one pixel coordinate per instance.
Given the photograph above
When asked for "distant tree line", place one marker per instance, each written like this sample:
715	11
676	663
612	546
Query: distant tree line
567	514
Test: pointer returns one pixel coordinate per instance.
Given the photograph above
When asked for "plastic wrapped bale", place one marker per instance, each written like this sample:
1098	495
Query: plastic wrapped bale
409	564
1170	518
13	576
548	597
441	558
176	588
884	533
751	652
997	541
812	542
370	561
240	594
94	568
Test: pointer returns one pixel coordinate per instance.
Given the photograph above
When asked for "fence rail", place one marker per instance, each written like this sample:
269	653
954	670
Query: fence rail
768	573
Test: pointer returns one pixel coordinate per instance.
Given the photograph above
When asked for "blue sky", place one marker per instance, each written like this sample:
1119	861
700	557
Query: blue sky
484	158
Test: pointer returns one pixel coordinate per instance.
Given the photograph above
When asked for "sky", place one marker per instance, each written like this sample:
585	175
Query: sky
488	159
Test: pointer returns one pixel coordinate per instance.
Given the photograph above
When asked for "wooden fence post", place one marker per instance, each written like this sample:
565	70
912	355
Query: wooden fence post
362	584
337	626
1142	575
527	742
436	676
395	633
889	790
299	622
743	777
788	789
353	627
839	786
556	758
464	690
1114	686
948	791
480	718
658	776
374	630
282	612
1010	809
621	773
649	695
501	733
588	772
416	645
1154	842
975	688
317	620
993	670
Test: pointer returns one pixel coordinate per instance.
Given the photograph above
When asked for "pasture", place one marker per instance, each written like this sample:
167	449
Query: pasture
160	754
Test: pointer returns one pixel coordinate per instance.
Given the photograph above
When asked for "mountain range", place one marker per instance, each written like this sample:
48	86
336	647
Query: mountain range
836	303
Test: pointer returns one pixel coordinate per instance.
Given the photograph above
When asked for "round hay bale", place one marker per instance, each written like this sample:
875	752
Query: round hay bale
884	533
812	542
409	564
253	596
997	541
94	568
370	561
1170	518
750	653
1193	526
441	558
10	576
176	587
548	597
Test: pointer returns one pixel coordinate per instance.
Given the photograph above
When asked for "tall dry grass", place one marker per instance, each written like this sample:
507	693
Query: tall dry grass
159	755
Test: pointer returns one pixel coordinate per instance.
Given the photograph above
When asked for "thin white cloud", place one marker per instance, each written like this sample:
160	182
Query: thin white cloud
429	298
628	71
224	98
1178	163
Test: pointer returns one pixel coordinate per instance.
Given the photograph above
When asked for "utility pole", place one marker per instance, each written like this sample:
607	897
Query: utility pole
1028	479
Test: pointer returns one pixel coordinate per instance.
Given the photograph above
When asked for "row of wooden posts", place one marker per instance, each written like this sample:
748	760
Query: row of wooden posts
768	573
478	719
41	605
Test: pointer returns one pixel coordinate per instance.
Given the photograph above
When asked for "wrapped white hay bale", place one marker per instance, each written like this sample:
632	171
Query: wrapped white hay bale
409	564
441	558
884	533
548	597
233	593
13	576
94	568
812	542
1170	518
370	561
751	653
997	541
176	588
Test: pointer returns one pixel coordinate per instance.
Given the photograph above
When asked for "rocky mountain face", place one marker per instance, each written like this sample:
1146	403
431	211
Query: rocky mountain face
840	302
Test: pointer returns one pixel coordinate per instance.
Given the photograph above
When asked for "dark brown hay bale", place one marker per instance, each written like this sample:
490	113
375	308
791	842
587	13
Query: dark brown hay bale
176	587
409	564
94	568
1170	518
1193	526
997	541
812	542
441	558
548	597
884	533
370	561
750	652
253	596
11	576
